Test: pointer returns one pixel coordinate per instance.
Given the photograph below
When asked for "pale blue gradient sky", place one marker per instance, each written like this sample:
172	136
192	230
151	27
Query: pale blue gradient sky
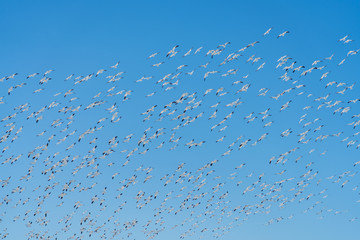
81	37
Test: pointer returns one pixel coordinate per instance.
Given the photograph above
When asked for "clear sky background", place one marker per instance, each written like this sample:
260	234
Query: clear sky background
81	37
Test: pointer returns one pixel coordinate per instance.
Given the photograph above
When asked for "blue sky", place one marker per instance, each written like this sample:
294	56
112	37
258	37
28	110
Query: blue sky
81	37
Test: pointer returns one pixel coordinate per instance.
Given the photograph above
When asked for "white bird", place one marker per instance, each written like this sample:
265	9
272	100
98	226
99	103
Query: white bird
172	51
116	65
198	50
99	72
283	34
158	64
343	39
32	75
153	55
267	32
48	72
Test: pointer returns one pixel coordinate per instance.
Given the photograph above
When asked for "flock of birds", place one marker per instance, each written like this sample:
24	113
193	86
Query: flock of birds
191	151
